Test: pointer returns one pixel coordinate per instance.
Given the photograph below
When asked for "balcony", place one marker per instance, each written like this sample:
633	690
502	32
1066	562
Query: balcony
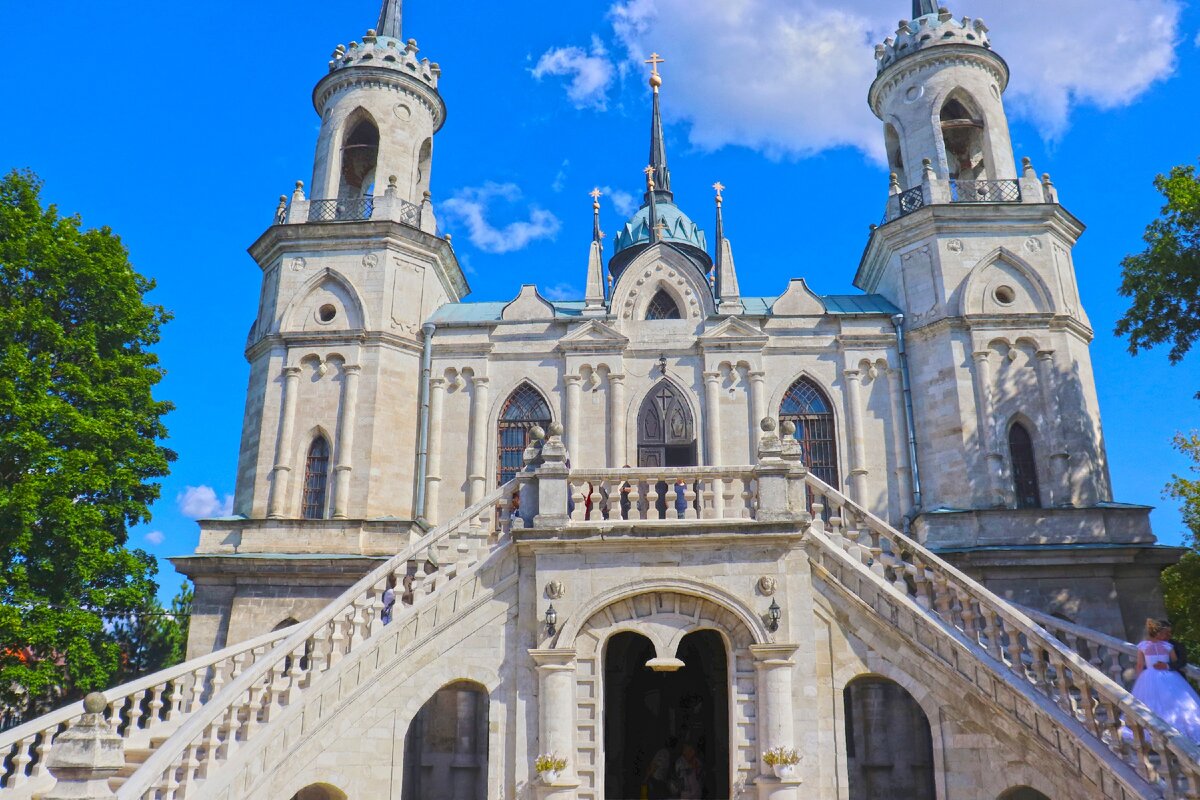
390	207
934	191
351	210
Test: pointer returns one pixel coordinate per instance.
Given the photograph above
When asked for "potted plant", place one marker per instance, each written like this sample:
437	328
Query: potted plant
550	766
783	761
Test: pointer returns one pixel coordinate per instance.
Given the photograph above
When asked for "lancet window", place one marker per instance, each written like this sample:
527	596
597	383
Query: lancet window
316	478
962	132
524	409
663	306
809	408
1024	467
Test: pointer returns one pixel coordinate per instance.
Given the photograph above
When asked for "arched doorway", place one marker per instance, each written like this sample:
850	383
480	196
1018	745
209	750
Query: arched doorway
889	747
1023	793
319	791
665	729
666	430
446	748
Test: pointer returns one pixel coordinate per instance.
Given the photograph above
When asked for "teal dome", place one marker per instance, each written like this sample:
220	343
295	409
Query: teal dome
679	228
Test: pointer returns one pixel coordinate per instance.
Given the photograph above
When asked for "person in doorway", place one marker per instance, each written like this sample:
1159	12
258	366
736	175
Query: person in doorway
1163	690
689	774
658	774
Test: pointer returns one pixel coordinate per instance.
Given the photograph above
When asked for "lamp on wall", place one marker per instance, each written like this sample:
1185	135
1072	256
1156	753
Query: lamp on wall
774	613
551	621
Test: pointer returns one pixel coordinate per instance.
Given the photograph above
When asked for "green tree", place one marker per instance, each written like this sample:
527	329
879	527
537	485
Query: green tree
1164	279
80	447
153	638
1181	583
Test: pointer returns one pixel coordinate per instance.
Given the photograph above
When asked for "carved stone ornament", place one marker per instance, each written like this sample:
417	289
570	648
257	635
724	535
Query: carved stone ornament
1033	245
297	264
370	261
555	590
767	585
954	245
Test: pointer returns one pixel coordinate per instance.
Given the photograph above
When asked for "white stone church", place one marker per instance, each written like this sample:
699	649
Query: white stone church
666	518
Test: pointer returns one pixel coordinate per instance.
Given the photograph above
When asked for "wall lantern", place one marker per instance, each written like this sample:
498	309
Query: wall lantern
551	621
775	613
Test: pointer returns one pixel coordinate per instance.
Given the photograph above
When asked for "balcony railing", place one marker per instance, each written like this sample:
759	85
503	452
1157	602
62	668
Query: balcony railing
1006	191
912	200
674	495
350	210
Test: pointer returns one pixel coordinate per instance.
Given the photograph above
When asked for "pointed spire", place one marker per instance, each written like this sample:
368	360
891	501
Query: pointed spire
719	187
594	294
658	147
389	19
728	293
597	234
923	7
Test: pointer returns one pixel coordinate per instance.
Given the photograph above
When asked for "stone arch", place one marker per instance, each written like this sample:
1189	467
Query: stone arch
882	722
1003	269
506	450
448	736
358	154
1022	793
821	444
327	288
664	612
1021	441
672	443
320	791
317	783
662	267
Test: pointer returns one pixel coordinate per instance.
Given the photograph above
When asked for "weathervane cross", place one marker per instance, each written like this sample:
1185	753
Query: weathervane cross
720	187
649	178
595	194
654	60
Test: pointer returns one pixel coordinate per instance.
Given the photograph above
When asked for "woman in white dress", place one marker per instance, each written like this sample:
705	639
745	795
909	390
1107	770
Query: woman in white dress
1166	692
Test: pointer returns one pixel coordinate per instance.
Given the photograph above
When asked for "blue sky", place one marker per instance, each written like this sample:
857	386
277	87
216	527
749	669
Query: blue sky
180	124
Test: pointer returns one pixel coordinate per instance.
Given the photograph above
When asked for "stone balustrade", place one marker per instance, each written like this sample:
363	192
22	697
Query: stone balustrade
231	718
388	206
934	190
137	710
662	495
1034	658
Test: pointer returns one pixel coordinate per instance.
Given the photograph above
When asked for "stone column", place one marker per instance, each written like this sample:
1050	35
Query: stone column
617	457
858	445
556	717
433	459
776	716
900	440
757	405
1060	474
479	437
86	755
712	416
986	434
277	502
345	447
574	384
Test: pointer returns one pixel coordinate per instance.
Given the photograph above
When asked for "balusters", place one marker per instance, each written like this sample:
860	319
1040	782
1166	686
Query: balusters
689	498
728	510
818	518
991	629
576	506
135	711
634	510
156	705
747	510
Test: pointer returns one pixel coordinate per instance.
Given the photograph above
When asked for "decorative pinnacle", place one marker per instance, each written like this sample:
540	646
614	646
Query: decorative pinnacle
655	79
649	178
597	234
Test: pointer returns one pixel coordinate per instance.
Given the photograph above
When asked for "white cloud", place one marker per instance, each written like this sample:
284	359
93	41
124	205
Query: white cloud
591	72
789	77
201	502
471	206
560	180
155	537
560	291
621	200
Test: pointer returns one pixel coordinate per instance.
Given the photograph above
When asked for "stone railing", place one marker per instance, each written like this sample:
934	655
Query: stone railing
389	206
669	494
934	191
151	705
1037	660
1114	657
230	720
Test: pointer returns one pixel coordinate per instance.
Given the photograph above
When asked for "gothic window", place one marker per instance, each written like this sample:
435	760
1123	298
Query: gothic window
360	152
895	154
524	409
316	477
808	407
663	306
1024	467
962	133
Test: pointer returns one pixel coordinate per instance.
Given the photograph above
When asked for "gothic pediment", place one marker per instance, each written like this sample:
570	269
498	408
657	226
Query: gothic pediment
798	301
593	336
732	333
528	306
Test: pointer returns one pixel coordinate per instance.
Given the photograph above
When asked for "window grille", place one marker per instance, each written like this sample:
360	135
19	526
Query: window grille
808	407
524	409
663	307
1024	467
316	478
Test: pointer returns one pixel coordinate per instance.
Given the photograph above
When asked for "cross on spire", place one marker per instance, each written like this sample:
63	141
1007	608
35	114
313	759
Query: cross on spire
649	178
389	19
720	187
655	79
658	148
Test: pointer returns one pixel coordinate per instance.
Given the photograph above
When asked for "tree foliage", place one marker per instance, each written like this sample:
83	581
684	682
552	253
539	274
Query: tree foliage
1164	279
80	446
1181	583
153	637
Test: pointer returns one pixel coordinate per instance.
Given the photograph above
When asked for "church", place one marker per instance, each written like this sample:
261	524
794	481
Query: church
667	539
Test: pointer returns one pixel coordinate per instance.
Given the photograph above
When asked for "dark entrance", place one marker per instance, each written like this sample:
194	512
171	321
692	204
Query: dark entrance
666	431
446	749
685	713
889	746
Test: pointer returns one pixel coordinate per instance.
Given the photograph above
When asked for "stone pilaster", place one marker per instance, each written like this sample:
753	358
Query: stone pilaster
758	405
479	439
617	456
776	715
433	461
712	417
1060	475
277	504
345	446
858	445
556	719
900	441
987	425
574	392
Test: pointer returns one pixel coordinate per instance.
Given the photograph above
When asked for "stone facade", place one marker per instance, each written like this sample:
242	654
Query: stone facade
954	399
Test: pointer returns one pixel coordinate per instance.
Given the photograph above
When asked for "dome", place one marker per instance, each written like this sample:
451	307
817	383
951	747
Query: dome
678	229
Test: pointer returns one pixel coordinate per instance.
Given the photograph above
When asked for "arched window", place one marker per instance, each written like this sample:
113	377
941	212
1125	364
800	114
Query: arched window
663	306
962	132
1024	467
524	409
895	154
316	478
808	407
889	745
360	152
446	747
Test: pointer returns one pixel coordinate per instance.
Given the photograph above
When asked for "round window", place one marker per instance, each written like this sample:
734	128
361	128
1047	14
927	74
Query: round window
1004	295
326	313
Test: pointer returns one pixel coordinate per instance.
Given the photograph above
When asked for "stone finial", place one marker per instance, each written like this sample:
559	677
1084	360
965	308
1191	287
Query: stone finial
86	755
556	429
768	425
787	428
537	433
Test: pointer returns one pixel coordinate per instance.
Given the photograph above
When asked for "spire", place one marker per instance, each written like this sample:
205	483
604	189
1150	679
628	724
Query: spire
594	294
597	234
720	187
658	148
728	293
923	7
389	19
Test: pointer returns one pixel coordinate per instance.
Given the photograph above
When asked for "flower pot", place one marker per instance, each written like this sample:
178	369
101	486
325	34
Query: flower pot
785	772
551	776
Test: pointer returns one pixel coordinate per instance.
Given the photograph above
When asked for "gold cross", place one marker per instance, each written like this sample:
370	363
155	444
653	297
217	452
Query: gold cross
649	177
661	227
720	187
654	61
596	194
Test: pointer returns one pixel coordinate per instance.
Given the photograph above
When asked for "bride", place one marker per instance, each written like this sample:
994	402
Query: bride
1165	691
